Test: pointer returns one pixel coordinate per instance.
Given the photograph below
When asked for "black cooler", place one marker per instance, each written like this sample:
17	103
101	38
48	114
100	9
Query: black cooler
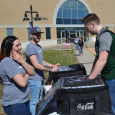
66	71
77	95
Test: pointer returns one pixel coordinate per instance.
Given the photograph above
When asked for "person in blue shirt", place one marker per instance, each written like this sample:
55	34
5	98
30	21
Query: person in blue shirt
34	57
14	72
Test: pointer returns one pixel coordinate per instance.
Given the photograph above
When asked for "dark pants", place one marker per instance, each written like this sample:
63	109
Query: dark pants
18	109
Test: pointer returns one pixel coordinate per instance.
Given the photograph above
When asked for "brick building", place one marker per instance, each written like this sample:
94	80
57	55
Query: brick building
58	18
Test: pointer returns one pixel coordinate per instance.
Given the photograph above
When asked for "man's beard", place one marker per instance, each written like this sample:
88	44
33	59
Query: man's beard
35	40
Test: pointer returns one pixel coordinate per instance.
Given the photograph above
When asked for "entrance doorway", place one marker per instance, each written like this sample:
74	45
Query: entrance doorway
63	33
72	34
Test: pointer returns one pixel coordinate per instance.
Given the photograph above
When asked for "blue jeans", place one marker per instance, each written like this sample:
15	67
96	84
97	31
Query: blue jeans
111	84
77	46
36	89
80	50
18	109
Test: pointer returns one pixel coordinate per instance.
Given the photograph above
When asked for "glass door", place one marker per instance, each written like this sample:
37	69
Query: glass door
63	36
80	33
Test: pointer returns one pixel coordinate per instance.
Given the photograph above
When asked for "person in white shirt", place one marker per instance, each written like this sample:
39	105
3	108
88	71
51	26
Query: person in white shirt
76	42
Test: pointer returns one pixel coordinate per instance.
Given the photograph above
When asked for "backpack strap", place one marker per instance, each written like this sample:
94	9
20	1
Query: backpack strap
106	31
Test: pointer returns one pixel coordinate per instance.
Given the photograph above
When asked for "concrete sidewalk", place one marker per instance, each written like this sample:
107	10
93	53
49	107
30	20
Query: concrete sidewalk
86	59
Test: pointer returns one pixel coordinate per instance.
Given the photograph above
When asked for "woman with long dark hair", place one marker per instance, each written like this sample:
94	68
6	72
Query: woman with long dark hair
14	72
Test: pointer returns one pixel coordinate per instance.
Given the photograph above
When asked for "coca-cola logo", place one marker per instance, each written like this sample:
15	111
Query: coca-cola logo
86	106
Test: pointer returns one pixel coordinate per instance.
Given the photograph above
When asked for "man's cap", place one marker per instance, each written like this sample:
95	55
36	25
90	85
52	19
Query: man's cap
35	30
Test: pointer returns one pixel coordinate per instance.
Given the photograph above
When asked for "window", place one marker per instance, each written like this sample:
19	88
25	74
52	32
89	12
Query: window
71	12
48	33
9	31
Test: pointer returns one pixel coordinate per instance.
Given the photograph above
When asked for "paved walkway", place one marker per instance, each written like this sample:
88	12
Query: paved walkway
86	59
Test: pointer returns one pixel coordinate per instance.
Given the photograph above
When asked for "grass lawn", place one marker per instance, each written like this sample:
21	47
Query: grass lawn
1	93
64	57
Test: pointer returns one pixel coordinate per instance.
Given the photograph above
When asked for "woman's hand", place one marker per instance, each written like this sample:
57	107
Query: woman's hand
17	57
20	59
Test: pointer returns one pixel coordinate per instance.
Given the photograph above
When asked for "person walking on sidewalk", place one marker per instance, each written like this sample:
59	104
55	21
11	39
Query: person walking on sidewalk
34	56
80	45
104	62
76	42
14	72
